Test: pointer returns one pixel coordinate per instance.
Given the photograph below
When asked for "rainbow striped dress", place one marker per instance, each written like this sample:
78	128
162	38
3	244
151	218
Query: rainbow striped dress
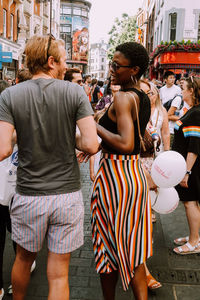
121	216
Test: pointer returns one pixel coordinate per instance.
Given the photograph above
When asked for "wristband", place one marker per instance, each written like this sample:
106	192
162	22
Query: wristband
188	172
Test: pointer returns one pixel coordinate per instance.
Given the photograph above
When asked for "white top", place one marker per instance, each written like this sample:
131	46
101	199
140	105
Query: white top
175	103
169	93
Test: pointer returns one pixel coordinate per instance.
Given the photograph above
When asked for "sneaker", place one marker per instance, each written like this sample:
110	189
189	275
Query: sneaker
2	294
10	290
33	266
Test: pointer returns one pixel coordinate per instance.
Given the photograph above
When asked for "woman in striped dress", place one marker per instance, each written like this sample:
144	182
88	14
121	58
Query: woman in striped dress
120	206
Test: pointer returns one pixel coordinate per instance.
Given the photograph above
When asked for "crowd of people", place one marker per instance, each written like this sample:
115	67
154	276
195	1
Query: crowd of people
59	118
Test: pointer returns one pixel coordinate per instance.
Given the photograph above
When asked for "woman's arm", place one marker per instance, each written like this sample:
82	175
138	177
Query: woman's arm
165	133
92	175
123	141
190	161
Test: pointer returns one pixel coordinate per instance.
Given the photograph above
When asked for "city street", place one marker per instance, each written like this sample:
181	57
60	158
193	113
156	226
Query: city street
179	275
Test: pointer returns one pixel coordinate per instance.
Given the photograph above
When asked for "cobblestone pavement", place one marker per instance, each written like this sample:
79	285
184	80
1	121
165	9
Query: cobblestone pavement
179	275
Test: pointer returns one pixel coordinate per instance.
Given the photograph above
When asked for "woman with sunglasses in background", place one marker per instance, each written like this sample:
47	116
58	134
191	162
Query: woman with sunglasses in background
187	143
121	211
158	123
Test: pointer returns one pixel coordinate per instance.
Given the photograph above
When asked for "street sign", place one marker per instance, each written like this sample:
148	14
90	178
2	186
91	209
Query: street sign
5	56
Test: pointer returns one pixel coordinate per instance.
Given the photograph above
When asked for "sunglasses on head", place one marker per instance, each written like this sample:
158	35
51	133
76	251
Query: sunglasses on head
51	37
193	80
115	67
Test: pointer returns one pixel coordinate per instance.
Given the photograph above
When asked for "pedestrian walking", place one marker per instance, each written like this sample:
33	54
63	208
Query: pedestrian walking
48	201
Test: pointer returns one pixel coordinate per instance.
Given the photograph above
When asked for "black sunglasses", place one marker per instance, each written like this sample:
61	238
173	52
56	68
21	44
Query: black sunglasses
51	37
115	67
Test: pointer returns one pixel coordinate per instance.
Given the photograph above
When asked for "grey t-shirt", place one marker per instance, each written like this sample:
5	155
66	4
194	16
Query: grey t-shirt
44	113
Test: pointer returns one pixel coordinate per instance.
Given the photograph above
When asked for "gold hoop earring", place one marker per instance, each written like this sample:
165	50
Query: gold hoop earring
134	80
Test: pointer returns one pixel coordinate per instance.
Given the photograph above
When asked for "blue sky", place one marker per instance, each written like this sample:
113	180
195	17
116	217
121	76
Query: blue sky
104	12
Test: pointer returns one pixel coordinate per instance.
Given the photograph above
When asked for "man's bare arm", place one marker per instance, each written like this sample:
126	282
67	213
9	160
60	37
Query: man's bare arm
6	139
87	141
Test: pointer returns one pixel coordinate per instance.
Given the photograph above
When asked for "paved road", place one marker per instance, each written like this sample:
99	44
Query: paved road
180	275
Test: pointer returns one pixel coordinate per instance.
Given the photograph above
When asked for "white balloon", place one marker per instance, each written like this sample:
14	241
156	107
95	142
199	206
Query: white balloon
165	200
168	169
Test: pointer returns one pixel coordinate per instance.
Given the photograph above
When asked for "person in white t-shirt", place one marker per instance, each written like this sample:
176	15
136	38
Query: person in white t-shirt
171	92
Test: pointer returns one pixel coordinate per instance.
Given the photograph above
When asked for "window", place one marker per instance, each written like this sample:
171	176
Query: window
155	37
173	20
84	13
198	38
102	60
44	30
4	22
77	11
11	27
66	10
53	14
65	28
28	25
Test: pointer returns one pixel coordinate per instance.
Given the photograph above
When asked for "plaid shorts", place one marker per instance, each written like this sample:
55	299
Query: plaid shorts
57	217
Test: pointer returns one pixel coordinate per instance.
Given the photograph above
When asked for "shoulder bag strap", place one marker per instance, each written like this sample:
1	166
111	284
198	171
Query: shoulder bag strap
157	119
138	122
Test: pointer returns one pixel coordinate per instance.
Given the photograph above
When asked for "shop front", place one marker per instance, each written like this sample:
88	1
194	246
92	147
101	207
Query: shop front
183	62
9	53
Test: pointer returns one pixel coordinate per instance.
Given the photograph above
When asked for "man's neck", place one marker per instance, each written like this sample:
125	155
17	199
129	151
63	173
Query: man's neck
169	85
42	75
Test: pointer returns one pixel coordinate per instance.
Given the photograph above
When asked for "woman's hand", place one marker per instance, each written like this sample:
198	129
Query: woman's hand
184	182
82	157
92	176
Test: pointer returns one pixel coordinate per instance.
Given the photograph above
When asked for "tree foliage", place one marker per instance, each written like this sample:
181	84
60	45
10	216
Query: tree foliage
122	31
